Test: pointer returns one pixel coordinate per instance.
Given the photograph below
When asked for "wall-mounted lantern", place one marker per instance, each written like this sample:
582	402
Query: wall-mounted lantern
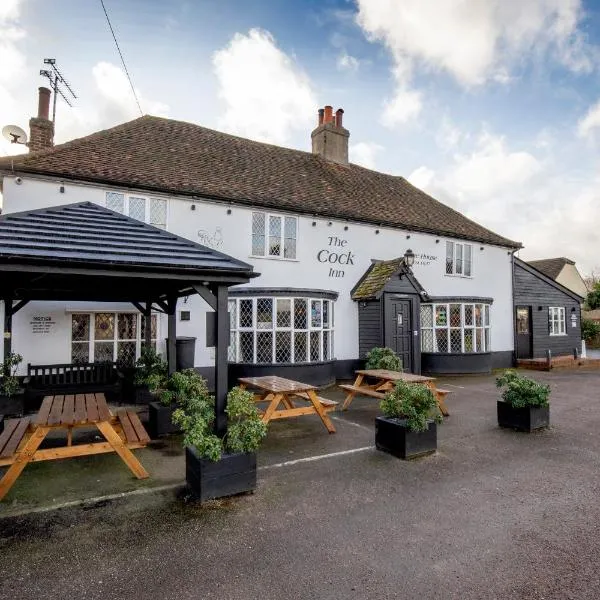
409	258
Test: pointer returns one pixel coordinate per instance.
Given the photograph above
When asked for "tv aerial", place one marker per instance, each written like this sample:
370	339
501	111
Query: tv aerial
58	84
14	134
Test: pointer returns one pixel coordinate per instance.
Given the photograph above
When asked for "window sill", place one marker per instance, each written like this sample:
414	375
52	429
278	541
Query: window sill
284	364
277	258
458	276
558	334
457	353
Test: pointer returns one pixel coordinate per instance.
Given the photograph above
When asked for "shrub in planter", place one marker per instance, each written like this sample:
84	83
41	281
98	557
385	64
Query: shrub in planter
407	429
150	376
383	358
218	467
11	393
173	392
524	405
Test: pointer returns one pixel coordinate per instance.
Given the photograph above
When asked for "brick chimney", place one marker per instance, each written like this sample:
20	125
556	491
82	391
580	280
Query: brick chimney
330	139
41	128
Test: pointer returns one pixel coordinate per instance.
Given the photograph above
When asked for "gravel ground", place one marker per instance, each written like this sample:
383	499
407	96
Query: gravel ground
494	514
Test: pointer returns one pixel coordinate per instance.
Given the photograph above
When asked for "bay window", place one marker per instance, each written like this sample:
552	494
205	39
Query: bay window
280	330
455	327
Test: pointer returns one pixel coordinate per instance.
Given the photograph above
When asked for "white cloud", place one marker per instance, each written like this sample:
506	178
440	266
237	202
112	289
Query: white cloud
266	94
346	62
590	122
422	177
474	41
403	107
364	153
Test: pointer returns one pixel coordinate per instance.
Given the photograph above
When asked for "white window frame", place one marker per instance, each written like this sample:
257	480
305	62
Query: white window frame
311	330
139	340
483	345
282	238
148	200
460	250
557	320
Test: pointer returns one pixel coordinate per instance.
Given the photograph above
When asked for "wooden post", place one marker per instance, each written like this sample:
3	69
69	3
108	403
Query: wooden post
221	359
172	334
7	329
148	325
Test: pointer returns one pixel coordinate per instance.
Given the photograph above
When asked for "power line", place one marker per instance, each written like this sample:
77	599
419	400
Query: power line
121	55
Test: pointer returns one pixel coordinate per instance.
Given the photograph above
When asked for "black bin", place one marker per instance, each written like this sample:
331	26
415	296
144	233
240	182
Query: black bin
185	352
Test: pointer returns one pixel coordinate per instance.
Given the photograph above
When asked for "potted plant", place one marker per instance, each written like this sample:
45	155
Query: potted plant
11	393
383	358
407	429
173	392
218	467
149	376
524	405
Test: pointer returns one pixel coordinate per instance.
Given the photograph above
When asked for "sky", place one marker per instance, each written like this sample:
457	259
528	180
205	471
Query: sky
491	106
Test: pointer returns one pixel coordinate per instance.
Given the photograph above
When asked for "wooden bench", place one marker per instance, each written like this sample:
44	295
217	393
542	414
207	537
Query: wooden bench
362	390
12	436
44	380
328	405
133	430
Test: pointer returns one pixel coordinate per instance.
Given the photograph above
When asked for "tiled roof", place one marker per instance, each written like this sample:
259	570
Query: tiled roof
159	154
551	267
91	235
374	280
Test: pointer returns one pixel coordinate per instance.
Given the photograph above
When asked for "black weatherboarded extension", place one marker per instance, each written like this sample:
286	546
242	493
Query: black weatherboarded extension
528	418
394	437
233	474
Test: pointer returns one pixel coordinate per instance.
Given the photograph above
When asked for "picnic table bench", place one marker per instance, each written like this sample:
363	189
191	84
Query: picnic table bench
283	394
383	382
21	438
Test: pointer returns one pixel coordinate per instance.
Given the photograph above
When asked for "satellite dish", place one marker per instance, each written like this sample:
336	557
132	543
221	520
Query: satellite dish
14	134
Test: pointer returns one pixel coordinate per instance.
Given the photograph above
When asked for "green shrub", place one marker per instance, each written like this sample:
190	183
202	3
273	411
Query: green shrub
383	358
182	387
196	416
522	391
9	383
412	402
150	370
589	329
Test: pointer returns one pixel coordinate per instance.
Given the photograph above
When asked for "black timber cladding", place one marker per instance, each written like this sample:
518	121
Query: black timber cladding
533	288
91	235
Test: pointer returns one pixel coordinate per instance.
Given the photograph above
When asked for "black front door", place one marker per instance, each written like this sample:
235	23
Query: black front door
524	332
398	329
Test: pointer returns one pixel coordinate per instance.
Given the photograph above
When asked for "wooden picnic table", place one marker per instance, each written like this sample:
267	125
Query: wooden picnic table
21	438
287	393
383	381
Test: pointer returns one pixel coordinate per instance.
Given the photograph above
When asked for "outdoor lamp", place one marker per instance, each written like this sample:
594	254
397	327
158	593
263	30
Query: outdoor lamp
409	258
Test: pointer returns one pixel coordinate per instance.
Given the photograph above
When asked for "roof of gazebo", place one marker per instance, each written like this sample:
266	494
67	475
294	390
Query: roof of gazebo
85	251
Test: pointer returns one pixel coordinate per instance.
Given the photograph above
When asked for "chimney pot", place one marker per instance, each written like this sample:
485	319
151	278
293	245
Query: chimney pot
339	113
328	114
321	113
44	103
329	138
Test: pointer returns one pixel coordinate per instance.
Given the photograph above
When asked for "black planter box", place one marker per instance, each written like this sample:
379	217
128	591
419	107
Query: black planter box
528	418
12	406
392	436
233	474
159	420
141	395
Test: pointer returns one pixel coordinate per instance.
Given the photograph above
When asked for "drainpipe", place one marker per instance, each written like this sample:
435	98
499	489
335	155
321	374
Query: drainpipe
512	261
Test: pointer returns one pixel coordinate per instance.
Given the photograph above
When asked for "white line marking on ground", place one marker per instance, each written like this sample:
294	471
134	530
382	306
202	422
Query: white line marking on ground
289	463
462	387
350	423
95	500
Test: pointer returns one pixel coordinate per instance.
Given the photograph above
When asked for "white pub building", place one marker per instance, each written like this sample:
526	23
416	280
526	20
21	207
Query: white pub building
349	258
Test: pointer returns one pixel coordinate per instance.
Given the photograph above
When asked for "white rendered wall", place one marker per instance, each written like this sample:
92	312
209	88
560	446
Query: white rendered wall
210	224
